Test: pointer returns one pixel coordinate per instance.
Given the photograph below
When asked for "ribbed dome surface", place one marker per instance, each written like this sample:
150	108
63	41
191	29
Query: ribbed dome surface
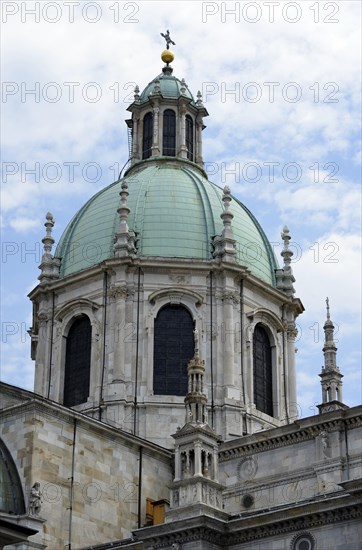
175	212
170	87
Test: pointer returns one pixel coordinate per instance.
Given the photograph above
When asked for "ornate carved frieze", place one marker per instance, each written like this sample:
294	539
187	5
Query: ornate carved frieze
180	278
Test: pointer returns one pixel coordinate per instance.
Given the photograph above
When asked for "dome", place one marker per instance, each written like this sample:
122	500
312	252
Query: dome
174	211
169	87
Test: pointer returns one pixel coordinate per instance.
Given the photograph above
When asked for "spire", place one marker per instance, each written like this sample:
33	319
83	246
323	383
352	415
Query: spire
224	244
331	378
124	239
49	265
284	276
328	312
195	399
329	349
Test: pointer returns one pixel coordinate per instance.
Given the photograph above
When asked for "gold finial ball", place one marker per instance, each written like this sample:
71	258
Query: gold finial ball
167	56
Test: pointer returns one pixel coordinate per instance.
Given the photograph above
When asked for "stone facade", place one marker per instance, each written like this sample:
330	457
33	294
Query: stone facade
136	291
94	478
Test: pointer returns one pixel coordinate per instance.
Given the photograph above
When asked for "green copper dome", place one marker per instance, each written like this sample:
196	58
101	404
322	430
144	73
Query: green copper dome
174	211
169	87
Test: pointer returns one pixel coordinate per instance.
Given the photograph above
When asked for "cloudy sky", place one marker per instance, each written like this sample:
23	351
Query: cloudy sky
281	83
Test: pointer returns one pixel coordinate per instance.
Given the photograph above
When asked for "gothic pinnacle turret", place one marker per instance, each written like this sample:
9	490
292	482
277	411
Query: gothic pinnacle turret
195	488
331	378
195	399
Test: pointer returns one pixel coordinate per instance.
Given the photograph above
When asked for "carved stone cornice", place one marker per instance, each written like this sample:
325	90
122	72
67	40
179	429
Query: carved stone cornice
252	526
283	523
289	435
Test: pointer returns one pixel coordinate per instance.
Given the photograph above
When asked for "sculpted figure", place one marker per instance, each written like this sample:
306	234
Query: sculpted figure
35	500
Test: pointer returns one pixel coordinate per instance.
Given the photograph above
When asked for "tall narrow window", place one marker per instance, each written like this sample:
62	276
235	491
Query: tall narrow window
169	133
11	493
77	362
263	384
147	136
189	137
173	349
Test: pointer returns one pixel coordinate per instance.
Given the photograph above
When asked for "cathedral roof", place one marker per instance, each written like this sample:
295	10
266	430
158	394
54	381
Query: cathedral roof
174	211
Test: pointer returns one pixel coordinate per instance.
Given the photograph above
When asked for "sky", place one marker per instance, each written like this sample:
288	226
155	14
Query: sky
281	83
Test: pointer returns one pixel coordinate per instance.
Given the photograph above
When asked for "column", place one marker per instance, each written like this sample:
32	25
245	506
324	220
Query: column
120	295
135	138
198	151
177	463
182	133
198	469
292	382
228	337
156	141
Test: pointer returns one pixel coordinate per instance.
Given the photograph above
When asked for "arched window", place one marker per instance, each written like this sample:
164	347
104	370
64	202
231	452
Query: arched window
77	362
169	133
263	384
189	137
147	136
11	493
173	349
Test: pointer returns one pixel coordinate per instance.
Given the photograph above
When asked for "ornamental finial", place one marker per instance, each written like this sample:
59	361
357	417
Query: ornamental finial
49	265
328	312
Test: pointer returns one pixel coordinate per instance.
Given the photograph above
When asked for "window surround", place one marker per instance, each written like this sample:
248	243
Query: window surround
272	325
64	319
187	298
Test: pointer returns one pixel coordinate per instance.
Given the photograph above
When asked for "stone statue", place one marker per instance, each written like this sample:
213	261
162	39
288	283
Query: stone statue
167	37
35	500
325	443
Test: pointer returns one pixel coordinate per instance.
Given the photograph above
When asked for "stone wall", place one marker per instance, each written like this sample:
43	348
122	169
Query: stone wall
288	465
52	445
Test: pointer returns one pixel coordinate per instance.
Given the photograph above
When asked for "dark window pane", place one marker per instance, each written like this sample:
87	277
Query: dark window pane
263	385
77	362
169	133
190	137
147	136
173	349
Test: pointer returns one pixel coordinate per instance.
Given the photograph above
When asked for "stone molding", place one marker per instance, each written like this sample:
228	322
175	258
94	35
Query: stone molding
74	308
180	293
259	526
261	442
